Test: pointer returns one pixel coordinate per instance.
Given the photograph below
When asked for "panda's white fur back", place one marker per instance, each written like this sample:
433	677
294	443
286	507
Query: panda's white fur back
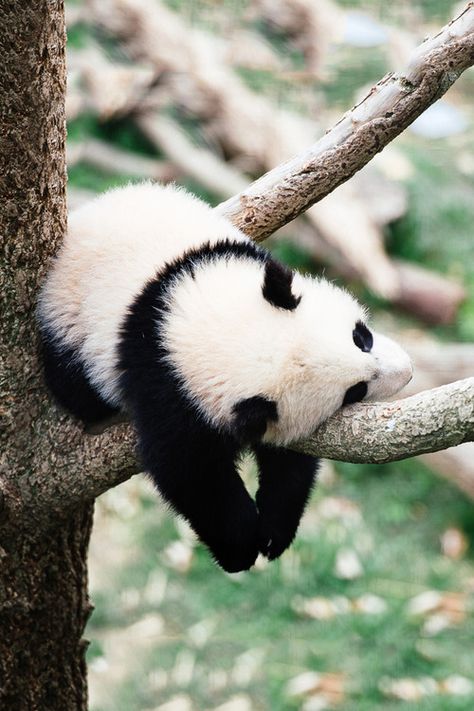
113	246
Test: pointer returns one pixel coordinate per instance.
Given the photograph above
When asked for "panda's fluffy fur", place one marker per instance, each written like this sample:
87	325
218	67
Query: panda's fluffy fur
159	306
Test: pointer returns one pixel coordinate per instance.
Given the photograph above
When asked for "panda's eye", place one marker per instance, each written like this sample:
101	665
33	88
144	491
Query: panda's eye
355	393
362	337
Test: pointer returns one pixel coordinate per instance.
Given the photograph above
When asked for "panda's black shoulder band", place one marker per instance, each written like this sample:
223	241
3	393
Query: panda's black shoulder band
224	249
277	286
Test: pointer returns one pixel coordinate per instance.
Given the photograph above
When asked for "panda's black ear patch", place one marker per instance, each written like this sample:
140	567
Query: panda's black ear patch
251	417
277	286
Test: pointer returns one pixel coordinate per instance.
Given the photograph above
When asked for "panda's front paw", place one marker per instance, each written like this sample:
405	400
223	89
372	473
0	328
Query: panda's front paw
274	539
236	560
236	548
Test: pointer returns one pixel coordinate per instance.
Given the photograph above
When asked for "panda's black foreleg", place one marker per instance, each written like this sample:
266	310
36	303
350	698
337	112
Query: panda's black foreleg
198	478
286	479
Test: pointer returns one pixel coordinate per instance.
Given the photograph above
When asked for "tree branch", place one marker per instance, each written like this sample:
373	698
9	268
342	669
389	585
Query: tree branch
393	104
388	431
430	421
257	134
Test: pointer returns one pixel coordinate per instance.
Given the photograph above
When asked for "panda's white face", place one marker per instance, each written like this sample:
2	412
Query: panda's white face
334	360
229	341
325	385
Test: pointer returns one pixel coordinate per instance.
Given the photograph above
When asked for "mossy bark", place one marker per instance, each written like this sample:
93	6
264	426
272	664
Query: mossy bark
43	576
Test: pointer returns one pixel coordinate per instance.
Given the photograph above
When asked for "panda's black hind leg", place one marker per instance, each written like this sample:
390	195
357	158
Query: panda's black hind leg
66	379
286	479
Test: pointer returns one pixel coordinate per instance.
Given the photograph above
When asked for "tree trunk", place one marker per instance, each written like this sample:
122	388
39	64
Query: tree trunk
44	580
43	576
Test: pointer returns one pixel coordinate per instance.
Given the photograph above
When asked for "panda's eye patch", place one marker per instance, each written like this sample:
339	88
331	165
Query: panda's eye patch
356	393
362	337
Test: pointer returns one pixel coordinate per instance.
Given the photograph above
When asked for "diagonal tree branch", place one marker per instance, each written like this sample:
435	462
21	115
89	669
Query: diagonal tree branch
390	106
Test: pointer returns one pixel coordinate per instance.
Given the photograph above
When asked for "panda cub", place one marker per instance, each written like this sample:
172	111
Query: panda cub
158	306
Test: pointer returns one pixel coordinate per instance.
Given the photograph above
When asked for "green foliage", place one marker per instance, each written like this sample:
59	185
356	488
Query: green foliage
84	176
436	10
403	512
437	229
123	133
353	68
80	35
291	254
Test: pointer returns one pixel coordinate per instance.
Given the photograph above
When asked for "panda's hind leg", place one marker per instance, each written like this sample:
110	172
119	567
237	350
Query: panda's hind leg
66	378
286	479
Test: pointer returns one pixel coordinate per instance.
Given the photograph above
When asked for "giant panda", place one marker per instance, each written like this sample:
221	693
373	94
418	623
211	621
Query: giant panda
159	307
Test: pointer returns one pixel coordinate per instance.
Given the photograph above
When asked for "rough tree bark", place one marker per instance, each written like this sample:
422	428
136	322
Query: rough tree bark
399	429
43	574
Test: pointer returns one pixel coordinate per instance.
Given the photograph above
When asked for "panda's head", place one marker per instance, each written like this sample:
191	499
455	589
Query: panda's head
332	358
270	354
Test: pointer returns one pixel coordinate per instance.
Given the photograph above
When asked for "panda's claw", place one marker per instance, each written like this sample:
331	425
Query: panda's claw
271	541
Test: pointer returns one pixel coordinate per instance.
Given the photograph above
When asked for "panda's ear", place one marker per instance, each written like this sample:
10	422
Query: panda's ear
251	417
277	286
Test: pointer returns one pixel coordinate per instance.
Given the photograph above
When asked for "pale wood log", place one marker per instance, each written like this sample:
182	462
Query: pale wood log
109	158
197	162
112	89
250	125
311	25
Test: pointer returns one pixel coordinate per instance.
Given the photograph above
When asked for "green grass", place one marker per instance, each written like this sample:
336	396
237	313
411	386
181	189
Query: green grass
435	10
350	70
121	132
84	176
404	512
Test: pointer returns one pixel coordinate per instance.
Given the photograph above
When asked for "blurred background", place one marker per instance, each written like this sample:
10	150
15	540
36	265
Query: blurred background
372	607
